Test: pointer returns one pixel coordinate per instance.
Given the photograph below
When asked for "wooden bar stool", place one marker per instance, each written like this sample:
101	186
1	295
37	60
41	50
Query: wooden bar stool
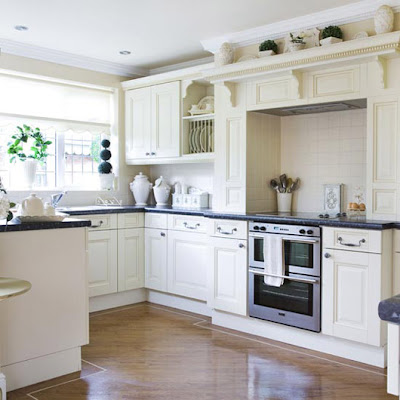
10	287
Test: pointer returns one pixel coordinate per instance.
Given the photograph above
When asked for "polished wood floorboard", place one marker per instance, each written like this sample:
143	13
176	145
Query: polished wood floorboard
151	352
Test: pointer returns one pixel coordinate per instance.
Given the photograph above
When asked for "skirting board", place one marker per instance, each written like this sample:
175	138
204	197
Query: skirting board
359	352
113	300
41	369
181	303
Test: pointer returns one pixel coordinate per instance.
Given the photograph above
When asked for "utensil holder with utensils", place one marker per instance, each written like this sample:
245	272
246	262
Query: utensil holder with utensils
284	202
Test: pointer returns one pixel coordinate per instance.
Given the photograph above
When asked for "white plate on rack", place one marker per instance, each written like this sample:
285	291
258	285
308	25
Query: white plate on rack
59	217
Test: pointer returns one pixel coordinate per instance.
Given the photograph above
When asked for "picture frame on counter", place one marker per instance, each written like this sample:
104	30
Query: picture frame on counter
333	198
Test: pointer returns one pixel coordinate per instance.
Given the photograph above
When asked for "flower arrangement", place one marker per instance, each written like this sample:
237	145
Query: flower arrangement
268	45
299	38
5	204
332	31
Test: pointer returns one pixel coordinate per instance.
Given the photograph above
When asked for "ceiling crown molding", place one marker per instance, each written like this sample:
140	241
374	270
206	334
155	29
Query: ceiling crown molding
335	16
73	60
182	65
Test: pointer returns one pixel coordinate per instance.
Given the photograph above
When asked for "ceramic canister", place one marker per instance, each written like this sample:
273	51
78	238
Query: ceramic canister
141	188
161	191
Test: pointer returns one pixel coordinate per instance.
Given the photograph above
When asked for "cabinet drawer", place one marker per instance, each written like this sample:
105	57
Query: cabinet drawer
131	220
189	223
353	240
156	220
227	228
100	222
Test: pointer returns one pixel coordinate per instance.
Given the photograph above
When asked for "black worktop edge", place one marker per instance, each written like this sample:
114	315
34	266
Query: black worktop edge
16	226
389	309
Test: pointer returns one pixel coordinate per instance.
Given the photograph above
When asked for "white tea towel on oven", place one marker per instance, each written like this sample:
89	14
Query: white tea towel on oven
273	259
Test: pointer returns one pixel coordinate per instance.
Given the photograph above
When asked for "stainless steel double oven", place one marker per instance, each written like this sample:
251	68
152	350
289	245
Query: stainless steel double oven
298	301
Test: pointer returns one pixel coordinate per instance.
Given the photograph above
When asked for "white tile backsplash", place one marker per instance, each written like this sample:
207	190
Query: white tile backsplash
324	148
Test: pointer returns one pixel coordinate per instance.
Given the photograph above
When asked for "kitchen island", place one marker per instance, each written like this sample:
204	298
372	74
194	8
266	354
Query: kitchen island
41	333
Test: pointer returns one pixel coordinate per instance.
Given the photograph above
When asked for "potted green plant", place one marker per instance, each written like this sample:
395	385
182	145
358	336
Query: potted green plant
330	35
105	168
28	146
267	48
297	42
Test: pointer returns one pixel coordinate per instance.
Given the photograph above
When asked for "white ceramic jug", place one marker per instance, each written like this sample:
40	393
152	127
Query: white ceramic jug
141	189
161	192
32	206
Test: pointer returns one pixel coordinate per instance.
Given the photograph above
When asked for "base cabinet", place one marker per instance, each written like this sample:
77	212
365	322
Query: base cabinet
130	259
228	275
156	259
187	264
103	250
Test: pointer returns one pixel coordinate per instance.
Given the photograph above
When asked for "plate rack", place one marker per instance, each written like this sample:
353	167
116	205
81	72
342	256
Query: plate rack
200	133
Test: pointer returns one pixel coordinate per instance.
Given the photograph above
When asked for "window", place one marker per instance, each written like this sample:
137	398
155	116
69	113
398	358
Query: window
74	118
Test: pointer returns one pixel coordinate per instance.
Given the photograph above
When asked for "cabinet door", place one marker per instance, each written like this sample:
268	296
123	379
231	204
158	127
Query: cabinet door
351	293
137	123
165	114
102	247
156	259
130	259
228	275
396	274
187	264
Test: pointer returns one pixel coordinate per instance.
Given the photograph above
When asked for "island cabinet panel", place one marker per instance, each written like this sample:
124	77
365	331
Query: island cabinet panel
103	250
227	275
130	259
156	259
187	264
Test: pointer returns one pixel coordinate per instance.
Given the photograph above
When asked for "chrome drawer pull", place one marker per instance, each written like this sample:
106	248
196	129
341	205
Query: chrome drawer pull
360	242
185	224
219	229
99	225
290	278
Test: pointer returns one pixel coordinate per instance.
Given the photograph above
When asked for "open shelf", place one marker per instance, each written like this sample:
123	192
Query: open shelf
199	117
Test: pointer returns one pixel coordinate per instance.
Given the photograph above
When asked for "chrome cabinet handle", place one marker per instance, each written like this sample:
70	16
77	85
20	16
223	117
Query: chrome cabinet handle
185	224
290	278
152	153
219	229
241	246
327	255
360	242
147	154
162	234
98	225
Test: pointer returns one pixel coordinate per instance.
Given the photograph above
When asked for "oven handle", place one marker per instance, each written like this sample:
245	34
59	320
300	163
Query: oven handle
286	238
290	278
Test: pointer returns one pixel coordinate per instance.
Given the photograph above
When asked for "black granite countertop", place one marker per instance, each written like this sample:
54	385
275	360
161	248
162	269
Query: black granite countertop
389	309
16	226
310	219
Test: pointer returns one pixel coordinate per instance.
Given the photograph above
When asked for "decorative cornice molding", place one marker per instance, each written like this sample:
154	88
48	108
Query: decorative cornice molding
186	64
354	12
73	60
379	45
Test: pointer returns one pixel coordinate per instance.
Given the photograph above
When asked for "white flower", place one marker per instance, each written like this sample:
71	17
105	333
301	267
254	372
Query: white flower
4	206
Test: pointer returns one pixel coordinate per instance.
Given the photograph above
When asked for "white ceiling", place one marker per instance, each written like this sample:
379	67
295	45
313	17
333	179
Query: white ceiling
157	32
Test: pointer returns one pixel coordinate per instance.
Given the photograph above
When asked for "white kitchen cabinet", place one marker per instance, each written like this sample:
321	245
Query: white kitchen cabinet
227	277
156	259
187	264
130	259
102	249
152	125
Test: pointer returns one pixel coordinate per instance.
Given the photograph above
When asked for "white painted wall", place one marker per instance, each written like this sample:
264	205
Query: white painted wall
324	148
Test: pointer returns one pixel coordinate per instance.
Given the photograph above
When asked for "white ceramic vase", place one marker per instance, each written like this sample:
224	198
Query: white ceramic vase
224	56
266	53
330	40
383	20
161	191
29	168
296	46
106	181
141	188
284	202
32	206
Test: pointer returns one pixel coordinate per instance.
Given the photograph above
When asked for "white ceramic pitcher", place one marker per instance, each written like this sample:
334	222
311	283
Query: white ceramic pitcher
32	206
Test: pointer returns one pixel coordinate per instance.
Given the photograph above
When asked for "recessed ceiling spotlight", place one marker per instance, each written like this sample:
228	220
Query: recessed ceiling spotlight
21	28
125	52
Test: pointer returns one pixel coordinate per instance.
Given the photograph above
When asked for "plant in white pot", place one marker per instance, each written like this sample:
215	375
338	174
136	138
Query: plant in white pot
105	168
29	146
297	42
267	48
331	35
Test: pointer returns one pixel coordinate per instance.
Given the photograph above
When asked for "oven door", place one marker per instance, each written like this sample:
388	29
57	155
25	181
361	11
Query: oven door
296	303
302	254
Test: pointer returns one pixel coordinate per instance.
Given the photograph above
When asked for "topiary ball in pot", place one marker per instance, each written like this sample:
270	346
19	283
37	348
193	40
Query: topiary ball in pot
331	35
105	154
105	168
268	48
105	143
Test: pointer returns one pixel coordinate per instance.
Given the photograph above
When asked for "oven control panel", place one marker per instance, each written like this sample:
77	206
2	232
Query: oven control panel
298	230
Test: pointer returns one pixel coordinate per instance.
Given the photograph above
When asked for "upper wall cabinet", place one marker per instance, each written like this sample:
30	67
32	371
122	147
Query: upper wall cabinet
152	127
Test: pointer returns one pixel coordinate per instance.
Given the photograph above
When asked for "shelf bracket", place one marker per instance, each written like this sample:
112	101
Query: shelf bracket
381	63
230	90
296	84
185	85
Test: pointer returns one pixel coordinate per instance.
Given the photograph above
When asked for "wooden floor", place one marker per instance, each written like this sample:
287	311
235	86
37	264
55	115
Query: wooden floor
153	352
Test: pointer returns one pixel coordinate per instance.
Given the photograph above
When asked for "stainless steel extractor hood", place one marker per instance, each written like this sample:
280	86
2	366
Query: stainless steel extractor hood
318	108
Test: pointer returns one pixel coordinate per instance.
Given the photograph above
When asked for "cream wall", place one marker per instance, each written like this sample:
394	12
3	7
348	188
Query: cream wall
324	148
125	173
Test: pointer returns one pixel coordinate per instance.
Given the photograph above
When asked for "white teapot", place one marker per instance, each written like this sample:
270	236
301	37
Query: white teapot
32	206
161	192
141	189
